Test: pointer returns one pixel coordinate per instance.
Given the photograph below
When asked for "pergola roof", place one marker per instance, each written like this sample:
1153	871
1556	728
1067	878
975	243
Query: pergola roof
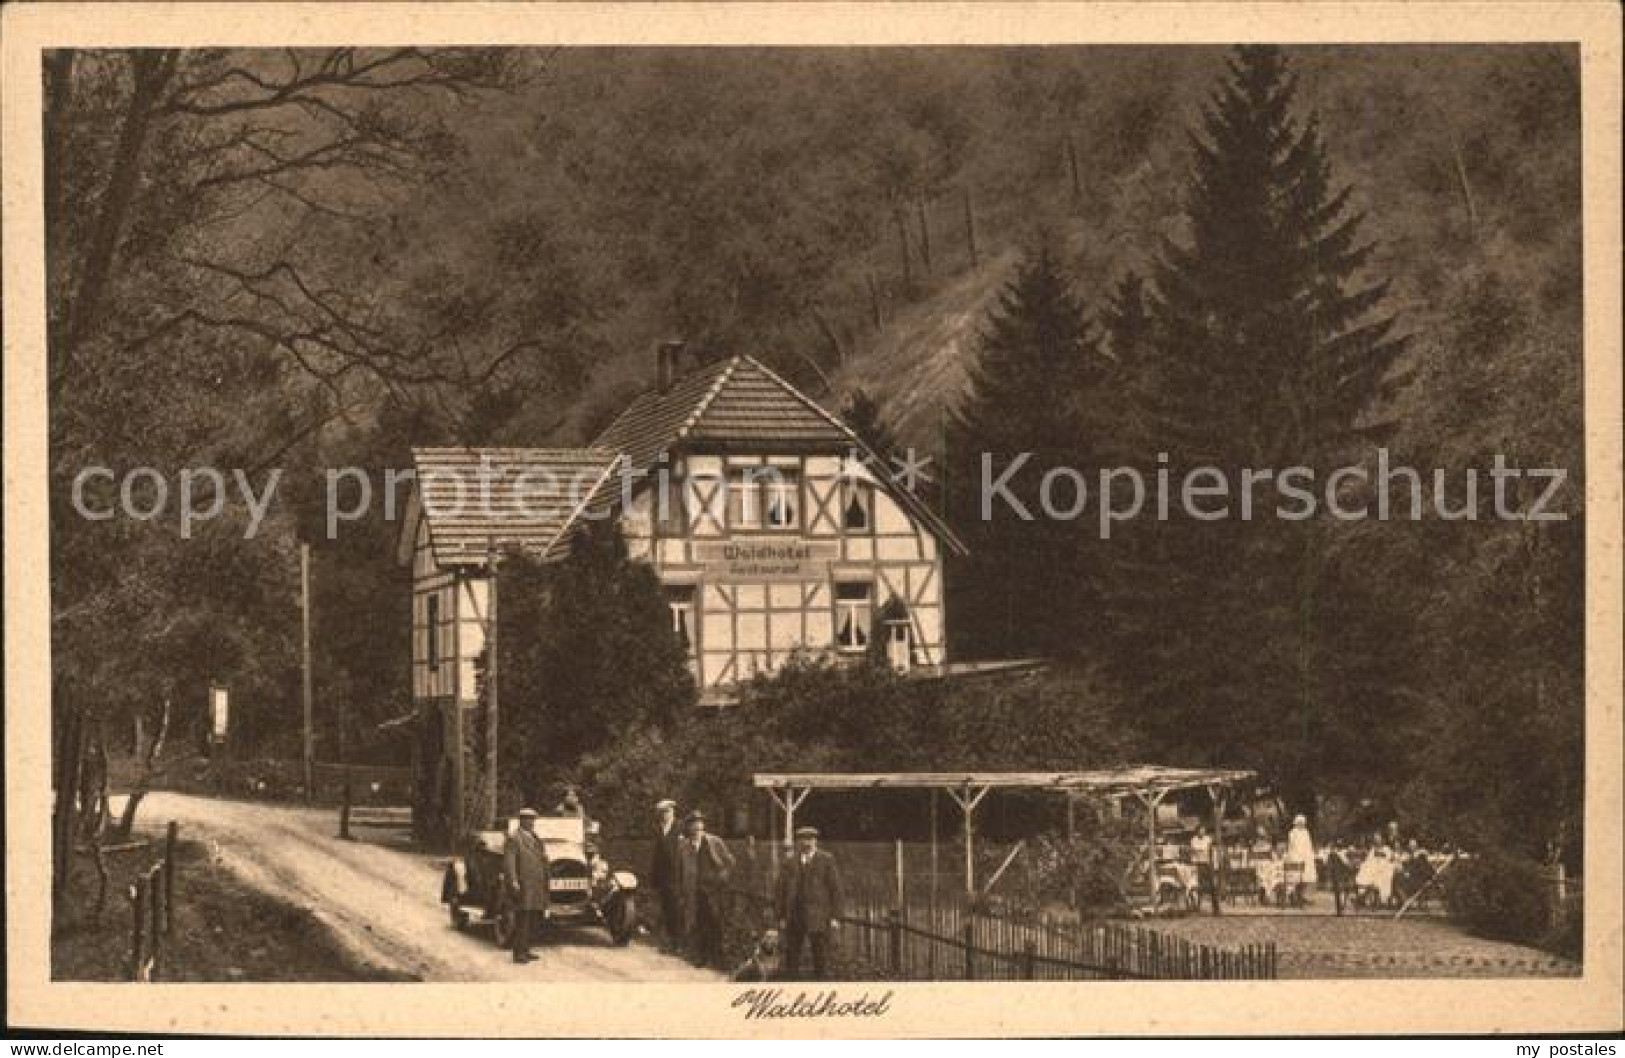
1106	780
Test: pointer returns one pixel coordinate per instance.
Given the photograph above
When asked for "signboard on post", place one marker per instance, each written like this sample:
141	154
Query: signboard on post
219	713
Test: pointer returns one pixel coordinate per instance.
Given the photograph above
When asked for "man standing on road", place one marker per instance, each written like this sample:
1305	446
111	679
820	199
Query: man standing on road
704	866
809	903
663	871
524	869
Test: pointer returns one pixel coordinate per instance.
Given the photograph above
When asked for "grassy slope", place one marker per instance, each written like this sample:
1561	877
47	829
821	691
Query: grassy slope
224	930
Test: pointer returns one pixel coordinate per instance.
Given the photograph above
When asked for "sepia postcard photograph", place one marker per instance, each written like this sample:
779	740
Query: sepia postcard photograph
812	520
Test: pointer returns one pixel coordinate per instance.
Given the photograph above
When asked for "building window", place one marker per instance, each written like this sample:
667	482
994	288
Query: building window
680	601
899	645
671	512
854	613
744	499
857	507
781	499
433	631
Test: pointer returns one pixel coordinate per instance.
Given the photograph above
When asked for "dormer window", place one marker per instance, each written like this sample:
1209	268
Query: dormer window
857	507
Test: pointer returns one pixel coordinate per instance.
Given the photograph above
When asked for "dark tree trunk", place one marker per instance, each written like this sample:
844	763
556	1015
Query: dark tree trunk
149	761
970	232
150	72
902	245
925	235
68	766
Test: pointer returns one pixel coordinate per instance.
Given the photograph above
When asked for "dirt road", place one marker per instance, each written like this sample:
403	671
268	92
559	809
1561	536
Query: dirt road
383	902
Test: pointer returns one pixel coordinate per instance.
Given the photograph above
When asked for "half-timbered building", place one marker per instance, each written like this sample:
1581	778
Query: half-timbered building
771	525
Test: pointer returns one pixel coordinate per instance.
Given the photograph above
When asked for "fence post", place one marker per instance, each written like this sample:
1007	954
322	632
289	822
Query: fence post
969	936
894	930
170	835
1029	964
138	919
155	928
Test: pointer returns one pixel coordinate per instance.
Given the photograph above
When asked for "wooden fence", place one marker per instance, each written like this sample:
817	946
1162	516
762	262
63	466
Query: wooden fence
152	912
950	942
946	939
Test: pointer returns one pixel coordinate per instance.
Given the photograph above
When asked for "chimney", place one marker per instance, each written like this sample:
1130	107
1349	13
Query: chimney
666	357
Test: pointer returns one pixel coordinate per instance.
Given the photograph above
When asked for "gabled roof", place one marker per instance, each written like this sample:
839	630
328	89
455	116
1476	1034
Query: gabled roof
479	499
739	402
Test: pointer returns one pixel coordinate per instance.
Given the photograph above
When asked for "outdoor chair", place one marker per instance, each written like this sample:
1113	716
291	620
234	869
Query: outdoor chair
1241	885
1290	893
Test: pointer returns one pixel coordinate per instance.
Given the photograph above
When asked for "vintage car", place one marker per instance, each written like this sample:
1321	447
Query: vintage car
581	887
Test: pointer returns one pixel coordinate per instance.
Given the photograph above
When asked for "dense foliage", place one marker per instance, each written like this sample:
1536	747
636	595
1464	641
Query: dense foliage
817	714
1501	896
585	661
1429	666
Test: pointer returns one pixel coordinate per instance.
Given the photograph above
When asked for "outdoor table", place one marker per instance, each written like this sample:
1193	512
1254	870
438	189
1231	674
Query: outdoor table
1183	875
1269	874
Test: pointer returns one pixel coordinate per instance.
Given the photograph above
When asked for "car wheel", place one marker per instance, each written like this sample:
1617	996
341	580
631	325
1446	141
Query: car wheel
623	920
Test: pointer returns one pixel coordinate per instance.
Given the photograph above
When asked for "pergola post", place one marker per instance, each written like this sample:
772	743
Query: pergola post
968	797
1216	856
789	799
934	845
1151	801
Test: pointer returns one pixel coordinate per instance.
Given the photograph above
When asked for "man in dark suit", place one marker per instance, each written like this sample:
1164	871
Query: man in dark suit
704	867
524	871
663	870
809	903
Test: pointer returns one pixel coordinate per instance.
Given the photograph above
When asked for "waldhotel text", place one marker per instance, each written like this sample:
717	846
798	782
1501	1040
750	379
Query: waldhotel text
772	1003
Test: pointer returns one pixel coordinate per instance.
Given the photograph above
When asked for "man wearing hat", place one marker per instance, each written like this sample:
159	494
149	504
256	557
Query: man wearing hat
524	869
704	866
809	903
663	870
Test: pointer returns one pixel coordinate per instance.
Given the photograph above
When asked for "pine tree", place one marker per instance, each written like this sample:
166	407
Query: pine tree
1025	587
1269	349
1246	641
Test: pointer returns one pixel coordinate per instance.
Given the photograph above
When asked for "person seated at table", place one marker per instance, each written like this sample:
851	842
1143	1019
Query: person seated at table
1375	878
1261	842
1415	873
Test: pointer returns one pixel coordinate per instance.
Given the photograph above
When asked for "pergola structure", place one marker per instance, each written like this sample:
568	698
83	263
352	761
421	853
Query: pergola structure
1148	783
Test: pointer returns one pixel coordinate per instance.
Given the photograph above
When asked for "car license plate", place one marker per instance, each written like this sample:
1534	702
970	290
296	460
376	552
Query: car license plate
569	883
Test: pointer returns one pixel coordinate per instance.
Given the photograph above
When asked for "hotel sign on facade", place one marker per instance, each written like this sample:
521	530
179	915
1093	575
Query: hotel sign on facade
766	560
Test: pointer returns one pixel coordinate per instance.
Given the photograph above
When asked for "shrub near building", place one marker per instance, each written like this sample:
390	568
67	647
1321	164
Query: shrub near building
815	714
